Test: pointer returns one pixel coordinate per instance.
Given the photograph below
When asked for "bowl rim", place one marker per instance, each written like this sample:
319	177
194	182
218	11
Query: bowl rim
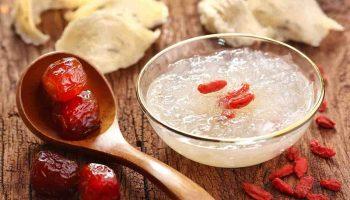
290	128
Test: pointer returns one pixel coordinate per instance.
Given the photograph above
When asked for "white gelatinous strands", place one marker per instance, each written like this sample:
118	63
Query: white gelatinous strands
282	94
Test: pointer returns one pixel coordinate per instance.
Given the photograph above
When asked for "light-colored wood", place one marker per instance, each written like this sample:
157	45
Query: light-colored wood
18	145
108	140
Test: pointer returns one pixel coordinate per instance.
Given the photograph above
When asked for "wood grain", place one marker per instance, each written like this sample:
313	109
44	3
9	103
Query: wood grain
18	145
107	140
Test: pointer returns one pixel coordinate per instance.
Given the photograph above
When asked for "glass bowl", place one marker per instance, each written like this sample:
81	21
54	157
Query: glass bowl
228	152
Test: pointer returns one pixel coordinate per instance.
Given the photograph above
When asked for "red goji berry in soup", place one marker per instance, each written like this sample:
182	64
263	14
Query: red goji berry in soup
212	86
240	101
225	100
245	87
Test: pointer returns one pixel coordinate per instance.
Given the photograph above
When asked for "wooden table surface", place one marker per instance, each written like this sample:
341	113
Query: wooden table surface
18	145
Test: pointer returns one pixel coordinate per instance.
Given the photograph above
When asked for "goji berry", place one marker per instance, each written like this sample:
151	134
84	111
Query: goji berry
282	186
210	87
331	184
224	101
323	106
303	187
240	101
281	172
256	192
324	122
229	114
322	151
292	153
311	196
300	167
245	87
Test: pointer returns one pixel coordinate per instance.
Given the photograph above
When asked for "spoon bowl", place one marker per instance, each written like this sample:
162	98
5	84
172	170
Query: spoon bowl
36	110
108	140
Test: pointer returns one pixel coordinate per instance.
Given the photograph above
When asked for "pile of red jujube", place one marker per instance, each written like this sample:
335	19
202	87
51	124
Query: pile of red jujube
53	175
75	109
299	167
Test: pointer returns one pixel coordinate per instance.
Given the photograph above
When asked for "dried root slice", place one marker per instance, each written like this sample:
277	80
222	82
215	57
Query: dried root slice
230	16
149	13
107	40
298	20
39	6
27	13
24	23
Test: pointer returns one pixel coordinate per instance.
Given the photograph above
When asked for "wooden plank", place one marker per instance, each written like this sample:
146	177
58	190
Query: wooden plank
18	145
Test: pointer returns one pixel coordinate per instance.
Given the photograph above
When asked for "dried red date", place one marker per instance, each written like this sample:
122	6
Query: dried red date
256	192
331	184
311	196
283	171
324	122
78	116
300	167
210	87
64	79
282	186
292	153
303	187
98	182
53	175
322	151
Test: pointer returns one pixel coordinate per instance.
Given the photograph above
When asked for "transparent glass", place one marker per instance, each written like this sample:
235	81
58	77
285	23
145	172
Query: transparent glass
228	152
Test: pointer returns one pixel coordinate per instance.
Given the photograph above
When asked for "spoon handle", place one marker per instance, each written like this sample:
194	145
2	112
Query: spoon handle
175	184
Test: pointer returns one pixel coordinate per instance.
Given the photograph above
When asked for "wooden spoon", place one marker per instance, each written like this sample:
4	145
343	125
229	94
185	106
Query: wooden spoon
107	141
